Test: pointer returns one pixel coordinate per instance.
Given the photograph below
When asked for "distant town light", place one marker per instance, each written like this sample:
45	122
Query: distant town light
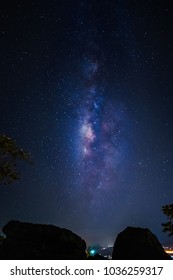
92	252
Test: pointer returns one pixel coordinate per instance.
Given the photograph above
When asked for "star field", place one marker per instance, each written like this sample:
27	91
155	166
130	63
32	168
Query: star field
86	87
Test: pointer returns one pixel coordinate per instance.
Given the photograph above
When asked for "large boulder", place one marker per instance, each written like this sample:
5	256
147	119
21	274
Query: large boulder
138	244
29	241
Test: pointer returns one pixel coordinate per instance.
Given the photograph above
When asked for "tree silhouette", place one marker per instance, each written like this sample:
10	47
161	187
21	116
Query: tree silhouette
168	211
10	154
1	239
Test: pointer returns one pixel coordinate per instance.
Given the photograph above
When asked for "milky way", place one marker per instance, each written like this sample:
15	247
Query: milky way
100	134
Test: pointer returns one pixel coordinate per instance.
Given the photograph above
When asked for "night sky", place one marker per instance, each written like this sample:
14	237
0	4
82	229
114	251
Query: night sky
87	88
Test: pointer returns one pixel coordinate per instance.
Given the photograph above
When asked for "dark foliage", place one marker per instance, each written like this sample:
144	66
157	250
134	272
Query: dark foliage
10	154
168	211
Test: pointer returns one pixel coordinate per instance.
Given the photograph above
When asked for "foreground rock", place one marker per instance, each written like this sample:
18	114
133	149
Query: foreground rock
138	244
36	241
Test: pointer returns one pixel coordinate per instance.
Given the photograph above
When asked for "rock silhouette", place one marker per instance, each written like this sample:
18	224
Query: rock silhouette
27	241
138	244
37	241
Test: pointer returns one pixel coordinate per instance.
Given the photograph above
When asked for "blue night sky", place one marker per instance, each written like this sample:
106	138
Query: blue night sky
86	87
